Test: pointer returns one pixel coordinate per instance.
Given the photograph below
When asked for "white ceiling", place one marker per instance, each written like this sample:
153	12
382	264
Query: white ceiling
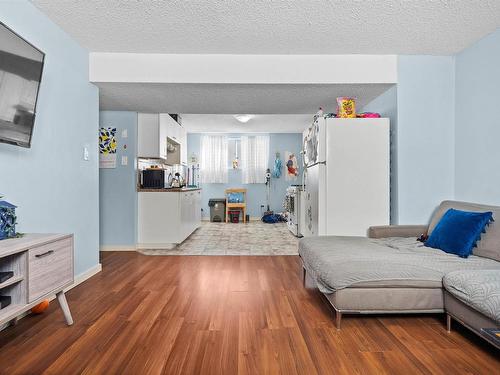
209	123
230	98
275	27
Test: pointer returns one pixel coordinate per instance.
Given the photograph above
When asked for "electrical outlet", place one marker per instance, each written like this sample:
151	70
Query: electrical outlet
124	160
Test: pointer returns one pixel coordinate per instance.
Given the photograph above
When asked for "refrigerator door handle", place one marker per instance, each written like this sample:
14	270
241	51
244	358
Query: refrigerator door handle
317	163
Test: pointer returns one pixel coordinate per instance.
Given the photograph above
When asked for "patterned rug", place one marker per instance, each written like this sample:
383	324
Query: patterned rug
253	238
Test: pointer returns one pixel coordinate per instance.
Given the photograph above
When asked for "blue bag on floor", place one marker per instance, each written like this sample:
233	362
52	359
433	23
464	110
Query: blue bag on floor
272	218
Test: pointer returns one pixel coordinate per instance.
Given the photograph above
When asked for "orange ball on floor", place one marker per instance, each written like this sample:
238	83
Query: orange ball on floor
41	307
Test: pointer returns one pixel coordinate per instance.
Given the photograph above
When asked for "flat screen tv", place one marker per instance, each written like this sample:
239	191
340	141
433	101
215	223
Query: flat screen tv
21	66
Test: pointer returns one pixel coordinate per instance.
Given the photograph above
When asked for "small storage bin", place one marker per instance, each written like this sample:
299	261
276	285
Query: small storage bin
234	216
217	210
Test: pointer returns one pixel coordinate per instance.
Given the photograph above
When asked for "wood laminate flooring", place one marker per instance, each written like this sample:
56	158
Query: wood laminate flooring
226	315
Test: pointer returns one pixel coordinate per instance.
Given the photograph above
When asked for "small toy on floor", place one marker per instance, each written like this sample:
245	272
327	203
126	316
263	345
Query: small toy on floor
41	307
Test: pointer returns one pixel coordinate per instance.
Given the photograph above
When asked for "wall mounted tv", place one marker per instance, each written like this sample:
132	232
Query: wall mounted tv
21	66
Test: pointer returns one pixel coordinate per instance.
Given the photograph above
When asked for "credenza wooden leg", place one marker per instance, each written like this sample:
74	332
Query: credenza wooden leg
64	307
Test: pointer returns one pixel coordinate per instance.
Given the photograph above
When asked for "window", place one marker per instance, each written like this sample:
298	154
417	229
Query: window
254	159
213	159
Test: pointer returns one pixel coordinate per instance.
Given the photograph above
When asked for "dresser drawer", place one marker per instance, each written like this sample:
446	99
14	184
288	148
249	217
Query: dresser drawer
50	267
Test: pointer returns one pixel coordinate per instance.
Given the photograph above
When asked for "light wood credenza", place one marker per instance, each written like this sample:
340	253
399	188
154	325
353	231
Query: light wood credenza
42	266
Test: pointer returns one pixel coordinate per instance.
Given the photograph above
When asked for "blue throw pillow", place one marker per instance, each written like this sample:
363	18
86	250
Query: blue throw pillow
458	231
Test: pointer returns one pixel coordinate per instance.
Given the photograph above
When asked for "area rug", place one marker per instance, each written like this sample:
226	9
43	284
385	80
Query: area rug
253	238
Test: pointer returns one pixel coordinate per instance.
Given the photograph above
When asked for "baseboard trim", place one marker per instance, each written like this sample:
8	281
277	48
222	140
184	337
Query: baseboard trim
156	246
85	276
118	248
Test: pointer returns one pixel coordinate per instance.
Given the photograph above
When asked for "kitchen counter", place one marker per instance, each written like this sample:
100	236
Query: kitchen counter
169	190
165	220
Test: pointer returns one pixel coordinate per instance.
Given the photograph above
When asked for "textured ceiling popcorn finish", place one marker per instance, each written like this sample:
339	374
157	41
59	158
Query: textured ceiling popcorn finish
437	27
204	123
230	98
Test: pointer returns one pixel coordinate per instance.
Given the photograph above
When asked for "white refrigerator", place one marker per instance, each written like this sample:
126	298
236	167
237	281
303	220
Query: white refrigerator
346	176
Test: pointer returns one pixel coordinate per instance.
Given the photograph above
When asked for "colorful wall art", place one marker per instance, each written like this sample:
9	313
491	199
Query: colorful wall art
292	168
107	148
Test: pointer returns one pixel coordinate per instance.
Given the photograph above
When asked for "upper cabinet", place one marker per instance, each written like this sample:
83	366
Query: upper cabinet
159	136
173	128
151	136
183	146
176	136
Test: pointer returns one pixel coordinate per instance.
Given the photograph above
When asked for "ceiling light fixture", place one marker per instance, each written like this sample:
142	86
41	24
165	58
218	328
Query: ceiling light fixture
243	118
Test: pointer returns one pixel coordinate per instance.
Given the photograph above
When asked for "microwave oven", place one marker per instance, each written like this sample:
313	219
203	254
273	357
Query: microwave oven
153	178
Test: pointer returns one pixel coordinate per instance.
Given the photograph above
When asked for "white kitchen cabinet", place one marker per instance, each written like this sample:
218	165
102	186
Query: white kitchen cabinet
189	209
173	128
167	218
176	133
151	136
183	143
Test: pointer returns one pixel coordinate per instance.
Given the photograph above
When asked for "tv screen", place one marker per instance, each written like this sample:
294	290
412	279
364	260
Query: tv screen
21	66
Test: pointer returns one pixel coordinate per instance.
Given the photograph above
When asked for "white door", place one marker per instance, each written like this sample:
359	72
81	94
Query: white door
147	135
184	214
163	139
183	144
198	208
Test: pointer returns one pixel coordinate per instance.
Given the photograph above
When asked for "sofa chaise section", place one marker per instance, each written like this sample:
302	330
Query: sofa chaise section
473	299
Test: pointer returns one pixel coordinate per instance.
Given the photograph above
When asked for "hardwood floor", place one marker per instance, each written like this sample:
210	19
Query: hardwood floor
226	315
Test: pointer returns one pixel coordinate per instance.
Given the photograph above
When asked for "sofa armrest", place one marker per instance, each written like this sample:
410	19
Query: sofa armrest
384	231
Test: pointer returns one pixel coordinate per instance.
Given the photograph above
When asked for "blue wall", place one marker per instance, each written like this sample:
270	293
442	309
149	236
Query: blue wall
421	109
425	136
117	187
387	105
256	192
477	147
55	189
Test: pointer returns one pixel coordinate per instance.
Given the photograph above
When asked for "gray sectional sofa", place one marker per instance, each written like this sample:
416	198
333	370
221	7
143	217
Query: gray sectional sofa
391	272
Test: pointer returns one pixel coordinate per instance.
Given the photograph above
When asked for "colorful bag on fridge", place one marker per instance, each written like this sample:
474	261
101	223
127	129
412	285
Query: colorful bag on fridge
346	107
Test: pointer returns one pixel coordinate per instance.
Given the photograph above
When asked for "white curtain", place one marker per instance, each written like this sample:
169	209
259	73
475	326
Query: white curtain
254	159
213	159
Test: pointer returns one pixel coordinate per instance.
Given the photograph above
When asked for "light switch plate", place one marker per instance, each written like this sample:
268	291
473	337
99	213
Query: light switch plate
124	160
125	133
86	153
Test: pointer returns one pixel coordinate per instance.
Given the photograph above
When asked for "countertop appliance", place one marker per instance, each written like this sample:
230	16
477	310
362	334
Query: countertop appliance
293	209
153	178
179	175
346	176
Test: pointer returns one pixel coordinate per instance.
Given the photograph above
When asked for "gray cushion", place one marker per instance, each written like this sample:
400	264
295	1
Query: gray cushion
489	245
479	289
